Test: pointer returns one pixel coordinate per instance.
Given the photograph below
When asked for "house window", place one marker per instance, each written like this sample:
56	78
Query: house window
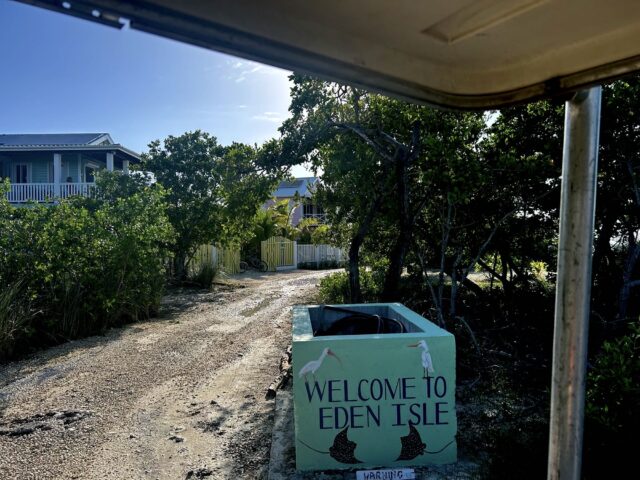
21	173
307	209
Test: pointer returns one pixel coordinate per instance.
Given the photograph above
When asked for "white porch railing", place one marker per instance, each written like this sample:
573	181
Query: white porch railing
46	192
321	217
77	189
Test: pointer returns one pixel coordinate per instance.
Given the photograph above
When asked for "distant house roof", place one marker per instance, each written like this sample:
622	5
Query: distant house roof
54	139
303	186
64	142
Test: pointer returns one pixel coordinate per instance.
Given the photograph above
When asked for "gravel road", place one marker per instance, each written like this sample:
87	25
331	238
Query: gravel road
178	397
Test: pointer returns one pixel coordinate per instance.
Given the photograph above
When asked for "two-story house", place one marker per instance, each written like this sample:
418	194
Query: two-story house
44	167
299	192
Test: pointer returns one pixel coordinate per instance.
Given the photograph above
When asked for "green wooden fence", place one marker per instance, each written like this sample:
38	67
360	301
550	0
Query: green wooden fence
278	253
226	259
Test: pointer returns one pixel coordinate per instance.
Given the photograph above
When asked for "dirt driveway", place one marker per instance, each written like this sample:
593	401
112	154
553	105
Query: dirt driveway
175	398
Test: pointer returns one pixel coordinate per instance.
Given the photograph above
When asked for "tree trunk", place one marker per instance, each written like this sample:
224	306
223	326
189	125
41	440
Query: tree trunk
179	264
602	251
355	293
401	246
627	283
493	269
507	281
453	301
495	273
446	230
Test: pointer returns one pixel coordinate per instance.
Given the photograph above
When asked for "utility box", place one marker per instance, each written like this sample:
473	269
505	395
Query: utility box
374	385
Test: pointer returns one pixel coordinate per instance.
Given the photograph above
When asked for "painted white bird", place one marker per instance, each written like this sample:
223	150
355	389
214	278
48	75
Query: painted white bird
314	365
427	363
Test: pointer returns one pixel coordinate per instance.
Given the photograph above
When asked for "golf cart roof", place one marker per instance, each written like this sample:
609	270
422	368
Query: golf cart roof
455	53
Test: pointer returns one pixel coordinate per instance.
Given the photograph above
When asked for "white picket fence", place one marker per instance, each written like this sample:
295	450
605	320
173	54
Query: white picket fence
319	255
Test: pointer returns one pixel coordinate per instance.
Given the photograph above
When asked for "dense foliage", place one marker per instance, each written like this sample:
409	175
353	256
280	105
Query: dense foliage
467	207
213	191
275	221
81	266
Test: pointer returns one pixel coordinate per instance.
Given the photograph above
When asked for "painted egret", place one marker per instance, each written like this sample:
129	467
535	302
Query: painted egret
314	365
427	363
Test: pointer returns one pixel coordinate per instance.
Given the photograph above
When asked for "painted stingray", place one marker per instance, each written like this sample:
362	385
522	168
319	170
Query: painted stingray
413	446
342	450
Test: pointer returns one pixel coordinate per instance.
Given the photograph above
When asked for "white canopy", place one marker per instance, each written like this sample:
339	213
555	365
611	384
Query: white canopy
457	53
454	53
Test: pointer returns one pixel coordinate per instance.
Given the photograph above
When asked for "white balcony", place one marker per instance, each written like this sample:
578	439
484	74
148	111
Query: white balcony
321	217
47	192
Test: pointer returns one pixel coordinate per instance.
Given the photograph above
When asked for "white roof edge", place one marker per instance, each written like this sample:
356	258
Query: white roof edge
100	138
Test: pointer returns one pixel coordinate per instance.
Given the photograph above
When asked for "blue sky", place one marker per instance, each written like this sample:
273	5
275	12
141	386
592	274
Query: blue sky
61	74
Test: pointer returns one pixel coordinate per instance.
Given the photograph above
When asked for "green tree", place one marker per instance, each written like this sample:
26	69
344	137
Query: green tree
305	229
375	154
83	265
213	191
330	121
275	220
533	134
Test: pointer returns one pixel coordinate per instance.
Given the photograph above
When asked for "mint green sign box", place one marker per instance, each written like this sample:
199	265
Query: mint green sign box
384	400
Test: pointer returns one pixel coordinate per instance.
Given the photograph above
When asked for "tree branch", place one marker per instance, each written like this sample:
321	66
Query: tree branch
380	150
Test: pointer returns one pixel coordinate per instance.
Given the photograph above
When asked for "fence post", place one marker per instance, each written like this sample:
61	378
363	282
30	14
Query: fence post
316	255
295	254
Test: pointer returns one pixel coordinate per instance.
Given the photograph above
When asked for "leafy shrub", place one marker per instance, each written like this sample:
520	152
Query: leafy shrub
334	288
204	275
326	265
517	448
539	269
85	264
15	315
321	235
612	407
305	229
614	382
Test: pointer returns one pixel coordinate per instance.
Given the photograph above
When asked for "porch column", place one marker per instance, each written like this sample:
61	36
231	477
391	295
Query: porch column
110	161
573	287
125	167
57	173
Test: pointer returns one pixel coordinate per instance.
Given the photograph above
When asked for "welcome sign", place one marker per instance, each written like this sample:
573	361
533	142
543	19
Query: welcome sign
372	400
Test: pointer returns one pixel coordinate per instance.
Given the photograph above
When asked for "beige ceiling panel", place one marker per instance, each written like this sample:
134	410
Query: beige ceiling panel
459	53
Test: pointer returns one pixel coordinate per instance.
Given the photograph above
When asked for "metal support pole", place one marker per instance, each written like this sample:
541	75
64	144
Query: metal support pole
573	292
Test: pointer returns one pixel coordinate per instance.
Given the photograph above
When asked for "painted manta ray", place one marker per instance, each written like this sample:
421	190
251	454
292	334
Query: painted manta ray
342	450
413	446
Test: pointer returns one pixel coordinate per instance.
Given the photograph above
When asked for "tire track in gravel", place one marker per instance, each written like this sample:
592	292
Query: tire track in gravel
164	397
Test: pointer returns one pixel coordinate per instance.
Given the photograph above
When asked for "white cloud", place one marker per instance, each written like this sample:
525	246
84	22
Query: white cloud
244	69
269	117
242	106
